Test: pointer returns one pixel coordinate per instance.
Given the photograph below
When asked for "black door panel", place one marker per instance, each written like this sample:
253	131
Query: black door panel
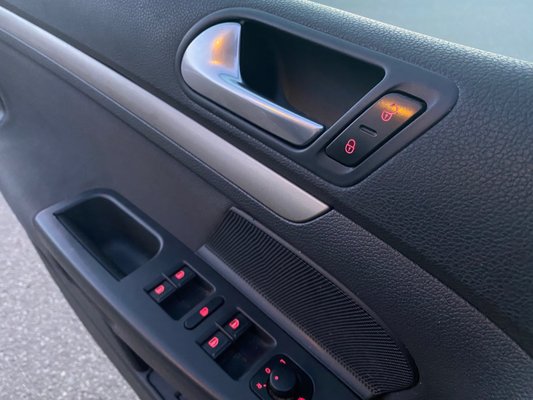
463	142
435	243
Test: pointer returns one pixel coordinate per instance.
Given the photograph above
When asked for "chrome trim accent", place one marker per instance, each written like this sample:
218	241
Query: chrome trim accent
2	110
211	67
268	187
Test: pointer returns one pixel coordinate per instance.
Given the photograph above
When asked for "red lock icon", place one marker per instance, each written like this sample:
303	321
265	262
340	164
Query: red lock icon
350	146
386	115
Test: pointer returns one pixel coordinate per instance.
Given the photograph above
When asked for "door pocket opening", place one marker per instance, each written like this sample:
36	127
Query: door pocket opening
114	237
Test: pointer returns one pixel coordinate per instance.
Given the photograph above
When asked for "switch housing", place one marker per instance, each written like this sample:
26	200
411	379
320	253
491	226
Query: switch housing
374	127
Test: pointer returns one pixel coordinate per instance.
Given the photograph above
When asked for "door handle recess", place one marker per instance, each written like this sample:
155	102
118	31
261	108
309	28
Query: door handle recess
211	67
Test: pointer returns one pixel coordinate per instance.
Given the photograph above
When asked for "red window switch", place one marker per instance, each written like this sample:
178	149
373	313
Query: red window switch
234	324
182	276
237	325
213	342
216	344
204	312
161	291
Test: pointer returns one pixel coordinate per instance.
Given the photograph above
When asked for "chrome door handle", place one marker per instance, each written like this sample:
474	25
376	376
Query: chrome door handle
211	67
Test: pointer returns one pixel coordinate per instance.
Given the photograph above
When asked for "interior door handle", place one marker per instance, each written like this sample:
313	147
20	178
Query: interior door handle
211	67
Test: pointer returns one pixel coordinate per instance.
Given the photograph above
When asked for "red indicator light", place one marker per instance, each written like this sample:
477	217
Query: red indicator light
282	361
259	386
276	378
204	312
159	290
268	370
386	115
180	274
213	342
300	398
350	146
234	324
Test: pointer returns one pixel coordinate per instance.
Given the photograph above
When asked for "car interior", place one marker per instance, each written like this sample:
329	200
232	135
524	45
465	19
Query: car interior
275	199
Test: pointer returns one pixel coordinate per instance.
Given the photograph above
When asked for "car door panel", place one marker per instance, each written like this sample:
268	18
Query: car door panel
435	242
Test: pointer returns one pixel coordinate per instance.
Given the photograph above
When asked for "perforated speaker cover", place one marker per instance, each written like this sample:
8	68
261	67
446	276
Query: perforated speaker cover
317	306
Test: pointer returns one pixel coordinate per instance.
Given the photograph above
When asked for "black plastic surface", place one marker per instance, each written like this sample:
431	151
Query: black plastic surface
373	128
121	243
159	337
162	387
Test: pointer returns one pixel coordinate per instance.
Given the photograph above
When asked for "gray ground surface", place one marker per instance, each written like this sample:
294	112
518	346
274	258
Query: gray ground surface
45	352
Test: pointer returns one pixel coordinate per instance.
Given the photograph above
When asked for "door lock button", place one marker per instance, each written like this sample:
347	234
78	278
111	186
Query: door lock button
375	126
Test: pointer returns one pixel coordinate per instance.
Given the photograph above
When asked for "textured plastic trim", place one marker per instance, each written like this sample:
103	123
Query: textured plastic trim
362	351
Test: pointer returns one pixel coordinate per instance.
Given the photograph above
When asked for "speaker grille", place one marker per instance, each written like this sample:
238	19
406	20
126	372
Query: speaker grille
314	304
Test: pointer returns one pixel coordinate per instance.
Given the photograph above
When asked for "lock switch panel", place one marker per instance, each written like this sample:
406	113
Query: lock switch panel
375	126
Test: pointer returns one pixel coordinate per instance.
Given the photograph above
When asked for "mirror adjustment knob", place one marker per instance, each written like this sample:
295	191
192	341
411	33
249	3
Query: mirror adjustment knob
282	382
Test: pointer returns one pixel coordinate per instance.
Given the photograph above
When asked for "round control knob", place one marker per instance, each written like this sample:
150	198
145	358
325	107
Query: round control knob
282	382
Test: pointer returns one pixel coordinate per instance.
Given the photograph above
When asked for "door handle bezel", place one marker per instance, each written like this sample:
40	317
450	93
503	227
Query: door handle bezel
211	67
439	93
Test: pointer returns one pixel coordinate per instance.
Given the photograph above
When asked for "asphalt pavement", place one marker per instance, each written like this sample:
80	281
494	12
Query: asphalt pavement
45	351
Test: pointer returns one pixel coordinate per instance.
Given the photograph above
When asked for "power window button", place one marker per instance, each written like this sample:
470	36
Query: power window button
161	291
237	325
216	344
183	276
203	312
